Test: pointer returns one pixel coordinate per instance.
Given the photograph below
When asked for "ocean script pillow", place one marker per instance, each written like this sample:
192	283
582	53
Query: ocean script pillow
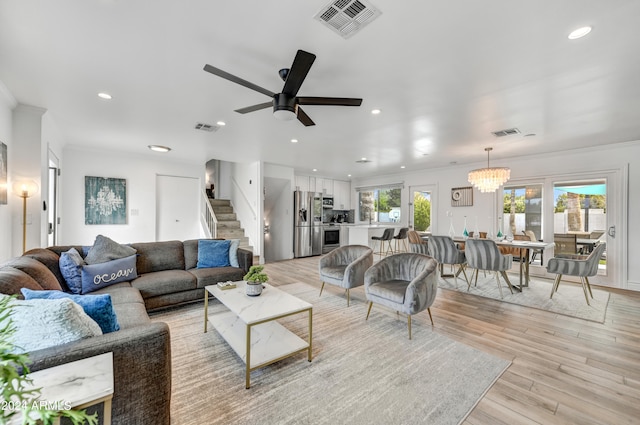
96	276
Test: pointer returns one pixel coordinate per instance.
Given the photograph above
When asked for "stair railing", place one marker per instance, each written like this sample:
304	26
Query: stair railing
209	217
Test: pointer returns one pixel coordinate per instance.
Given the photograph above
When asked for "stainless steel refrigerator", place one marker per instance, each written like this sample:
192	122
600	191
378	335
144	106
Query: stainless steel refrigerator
307	231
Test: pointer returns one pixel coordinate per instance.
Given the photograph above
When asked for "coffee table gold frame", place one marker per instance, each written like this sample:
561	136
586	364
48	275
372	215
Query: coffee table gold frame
293	345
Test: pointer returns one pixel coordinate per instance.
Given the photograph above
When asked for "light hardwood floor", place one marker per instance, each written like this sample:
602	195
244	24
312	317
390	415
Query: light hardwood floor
564	370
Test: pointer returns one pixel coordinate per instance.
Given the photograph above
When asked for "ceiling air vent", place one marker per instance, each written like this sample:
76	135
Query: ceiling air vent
507	132
346	17
206	127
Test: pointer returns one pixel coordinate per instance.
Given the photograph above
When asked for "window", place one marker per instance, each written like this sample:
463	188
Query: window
380	205
522	209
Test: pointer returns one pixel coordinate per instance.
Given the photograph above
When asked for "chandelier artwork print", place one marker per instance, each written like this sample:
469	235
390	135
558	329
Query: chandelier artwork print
105	200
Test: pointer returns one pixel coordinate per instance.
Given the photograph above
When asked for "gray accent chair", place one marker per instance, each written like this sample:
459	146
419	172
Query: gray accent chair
576	265
405	282
345	267
417	244
483	254
445	251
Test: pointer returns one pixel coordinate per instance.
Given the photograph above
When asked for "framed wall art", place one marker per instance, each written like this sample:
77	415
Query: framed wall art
462	196
105	200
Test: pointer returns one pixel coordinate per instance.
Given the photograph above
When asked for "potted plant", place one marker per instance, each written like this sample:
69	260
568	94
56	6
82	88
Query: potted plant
255	278
17	395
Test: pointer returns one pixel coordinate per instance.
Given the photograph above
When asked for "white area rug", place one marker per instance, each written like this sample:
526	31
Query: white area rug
363	372
568	301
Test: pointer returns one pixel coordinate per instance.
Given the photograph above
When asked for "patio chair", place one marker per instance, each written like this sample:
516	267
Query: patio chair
565	243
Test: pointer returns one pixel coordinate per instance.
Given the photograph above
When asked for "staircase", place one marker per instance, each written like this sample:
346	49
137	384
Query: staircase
228	225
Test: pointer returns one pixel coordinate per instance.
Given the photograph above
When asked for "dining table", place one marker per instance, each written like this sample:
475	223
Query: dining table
525	248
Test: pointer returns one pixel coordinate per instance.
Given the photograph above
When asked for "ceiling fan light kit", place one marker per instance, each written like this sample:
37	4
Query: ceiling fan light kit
286	104
489	179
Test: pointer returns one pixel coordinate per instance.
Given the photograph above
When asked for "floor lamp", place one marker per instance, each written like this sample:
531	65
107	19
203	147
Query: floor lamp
24	189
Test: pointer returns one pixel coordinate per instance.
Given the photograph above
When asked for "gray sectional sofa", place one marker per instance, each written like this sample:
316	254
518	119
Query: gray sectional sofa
167	275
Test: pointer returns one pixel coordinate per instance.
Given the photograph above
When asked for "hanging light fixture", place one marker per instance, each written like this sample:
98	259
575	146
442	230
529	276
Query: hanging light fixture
489	179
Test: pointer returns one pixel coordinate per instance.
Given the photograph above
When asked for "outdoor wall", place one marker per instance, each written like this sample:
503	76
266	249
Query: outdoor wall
621	158
140	173
7	103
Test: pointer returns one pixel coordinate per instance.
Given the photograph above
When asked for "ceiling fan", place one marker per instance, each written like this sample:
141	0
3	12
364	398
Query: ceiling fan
286	104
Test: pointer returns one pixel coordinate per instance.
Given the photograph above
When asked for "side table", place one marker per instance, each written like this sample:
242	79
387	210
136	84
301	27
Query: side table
77	385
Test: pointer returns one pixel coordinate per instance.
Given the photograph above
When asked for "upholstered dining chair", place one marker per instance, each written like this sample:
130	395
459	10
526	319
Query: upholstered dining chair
416	243
387	235
483	254
445	251
406	282
401	237
345	267
583	266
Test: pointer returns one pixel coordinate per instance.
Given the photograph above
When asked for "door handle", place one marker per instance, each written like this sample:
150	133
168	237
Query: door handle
612	231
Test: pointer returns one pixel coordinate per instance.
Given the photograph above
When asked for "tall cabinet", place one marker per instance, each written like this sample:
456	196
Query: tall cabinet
339	189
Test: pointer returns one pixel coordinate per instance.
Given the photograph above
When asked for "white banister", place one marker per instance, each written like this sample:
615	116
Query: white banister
209	217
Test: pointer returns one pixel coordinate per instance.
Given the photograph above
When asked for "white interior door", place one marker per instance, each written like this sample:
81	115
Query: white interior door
177	208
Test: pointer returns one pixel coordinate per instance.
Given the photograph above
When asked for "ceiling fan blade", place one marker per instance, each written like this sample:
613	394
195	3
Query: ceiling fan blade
255	107
332	101
304	118
223	74
298	72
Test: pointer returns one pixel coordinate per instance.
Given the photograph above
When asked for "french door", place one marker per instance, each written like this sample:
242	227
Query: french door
421	205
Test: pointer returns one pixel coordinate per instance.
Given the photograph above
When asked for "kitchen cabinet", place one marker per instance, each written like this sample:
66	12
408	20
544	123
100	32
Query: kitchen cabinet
324	186
302	183
341	195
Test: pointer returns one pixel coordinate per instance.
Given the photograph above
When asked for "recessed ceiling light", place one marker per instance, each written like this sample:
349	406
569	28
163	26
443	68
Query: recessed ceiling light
580	32
348	175
158	148
106	96
221	123
375	111
294	140
402	166
315	169
363	159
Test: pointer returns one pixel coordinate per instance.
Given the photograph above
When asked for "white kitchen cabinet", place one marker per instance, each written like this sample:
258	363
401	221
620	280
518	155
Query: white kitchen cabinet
324	186
302	183
341	195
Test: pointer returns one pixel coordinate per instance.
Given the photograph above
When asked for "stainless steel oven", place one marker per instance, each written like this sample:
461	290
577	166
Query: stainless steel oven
330	237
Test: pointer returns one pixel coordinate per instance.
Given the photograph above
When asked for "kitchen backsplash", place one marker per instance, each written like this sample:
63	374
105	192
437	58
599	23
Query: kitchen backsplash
335	216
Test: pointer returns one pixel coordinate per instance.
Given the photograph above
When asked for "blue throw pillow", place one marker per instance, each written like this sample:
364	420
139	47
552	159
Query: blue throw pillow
233	252
213	253
71	268
96	276
98	307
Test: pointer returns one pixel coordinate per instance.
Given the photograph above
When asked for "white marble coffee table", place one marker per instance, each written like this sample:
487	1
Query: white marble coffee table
250	326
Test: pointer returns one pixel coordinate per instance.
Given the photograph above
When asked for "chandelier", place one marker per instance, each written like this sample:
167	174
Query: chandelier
489	179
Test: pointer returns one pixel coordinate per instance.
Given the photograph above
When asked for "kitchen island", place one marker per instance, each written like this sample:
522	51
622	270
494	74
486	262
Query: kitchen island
360	234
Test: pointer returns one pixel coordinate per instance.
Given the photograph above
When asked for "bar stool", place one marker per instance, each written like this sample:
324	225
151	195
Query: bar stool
401	236
386	236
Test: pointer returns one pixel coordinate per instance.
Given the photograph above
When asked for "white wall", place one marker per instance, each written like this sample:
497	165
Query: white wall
618	158
7	103
140	173
26	164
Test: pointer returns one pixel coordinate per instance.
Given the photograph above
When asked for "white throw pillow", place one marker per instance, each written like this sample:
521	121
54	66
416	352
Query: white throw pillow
42	323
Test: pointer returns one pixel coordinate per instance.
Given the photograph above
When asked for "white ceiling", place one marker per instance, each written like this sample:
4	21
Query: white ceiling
444	73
